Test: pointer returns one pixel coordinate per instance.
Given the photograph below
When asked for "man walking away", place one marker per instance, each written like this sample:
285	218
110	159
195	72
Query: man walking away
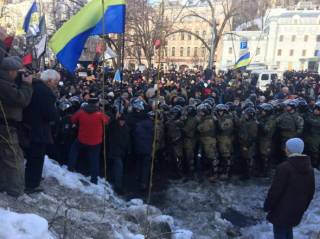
13	99
291	191
38	116
90	136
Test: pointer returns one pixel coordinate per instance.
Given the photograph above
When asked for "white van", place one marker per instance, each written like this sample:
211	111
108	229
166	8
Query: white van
264	78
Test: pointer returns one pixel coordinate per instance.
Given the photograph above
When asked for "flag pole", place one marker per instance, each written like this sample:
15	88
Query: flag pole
103	91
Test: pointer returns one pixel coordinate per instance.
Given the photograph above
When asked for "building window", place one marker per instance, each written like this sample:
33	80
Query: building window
291	52
279	52
173	52
304	52
189	37
188	51
197	33
258	51
293	38
278	64
203	51
204	33
318	38
281	38
166	51
182	36
173	37
195	51
316	53
230	50
181	51
306	38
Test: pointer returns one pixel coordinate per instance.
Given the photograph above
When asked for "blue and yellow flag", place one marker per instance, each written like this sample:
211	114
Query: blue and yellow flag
243	61
68	42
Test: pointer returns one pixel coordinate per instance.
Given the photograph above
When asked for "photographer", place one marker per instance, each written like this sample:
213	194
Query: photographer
38	116
13	100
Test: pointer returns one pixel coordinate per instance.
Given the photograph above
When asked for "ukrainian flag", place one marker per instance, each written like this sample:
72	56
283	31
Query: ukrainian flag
243	61
68	42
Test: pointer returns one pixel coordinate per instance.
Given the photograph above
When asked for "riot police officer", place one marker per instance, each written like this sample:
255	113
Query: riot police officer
265	135
206	131
247	133
225	132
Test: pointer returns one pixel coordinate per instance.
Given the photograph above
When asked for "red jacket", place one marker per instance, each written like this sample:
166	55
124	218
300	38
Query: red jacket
91	126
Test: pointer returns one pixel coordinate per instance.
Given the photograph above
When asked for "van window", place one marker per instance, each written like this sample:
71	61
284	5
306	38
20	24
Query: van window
265	77
274	77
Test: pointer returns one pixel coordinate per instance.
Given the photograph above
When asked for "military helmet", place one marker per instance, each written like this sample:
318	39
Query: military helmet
63	105
292	103
195	102
265	107
176	111
230	105
250	111
247	104
209	101
222	107
164	107
179	101
191	110
205	108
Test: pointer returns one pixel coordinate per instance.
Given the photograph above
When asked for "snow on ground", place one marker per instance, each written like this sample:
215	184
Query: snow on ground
74	207
135	208
230	209
309	228
22	226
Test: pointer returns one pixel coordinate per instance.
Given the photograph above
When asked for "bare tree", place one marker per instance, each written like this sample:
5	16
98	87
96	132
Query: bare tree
230	10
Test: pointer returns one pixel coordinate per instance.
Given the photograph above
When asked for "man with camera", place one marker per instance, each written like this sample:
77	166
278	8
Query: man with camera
14	97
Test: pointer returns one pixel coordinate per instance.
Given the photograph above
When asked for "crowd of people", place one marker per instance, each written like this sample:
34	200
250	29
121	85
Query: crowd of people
204	124
196	125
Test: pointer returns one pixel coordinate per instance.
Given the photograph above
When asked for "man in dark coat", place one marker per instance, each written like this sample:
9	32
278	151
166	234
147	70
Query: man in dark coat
118	142
291	192
38	116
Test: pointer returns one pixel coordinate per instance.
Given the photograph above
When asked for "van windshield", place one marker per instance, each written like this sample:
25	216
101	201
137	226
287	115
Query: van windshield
265	77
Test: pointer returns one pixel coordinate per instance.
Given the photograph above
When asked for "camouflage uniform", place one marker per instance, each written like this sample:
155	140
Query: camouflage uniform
290	125
225	125
267	126
247	134
206	131
13	99
189	142
312	138
175	142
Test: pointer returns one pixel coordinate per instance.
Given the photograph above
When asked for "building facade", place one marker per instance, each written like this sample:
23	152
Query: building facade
290	40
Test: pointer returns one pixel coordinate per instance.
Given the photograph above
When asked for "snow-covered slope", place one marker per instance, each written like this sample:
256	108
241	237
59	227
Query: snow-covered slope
22	226
75	208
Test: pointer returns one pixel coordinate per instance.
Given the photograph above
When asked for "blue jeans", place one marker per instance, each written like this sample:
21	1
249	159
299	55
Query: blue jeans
93	155
282	232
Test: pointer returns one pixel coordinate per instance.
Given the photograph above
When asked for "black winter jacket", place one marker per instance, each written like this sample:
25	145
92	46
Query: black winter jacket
291	192
40	113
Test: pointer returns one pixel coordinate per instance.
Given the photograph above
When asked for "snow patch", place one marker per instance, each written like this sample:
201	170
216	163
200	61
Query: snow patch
22	226
78	181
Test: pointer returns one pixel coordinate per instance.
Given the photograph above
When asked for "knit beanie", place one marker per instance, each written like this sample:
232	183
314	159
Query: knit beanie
295	146
11	63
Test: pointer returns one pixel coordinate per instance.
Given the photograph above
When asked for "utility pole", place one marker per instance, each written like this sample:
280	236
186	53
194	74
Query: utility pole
213	37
